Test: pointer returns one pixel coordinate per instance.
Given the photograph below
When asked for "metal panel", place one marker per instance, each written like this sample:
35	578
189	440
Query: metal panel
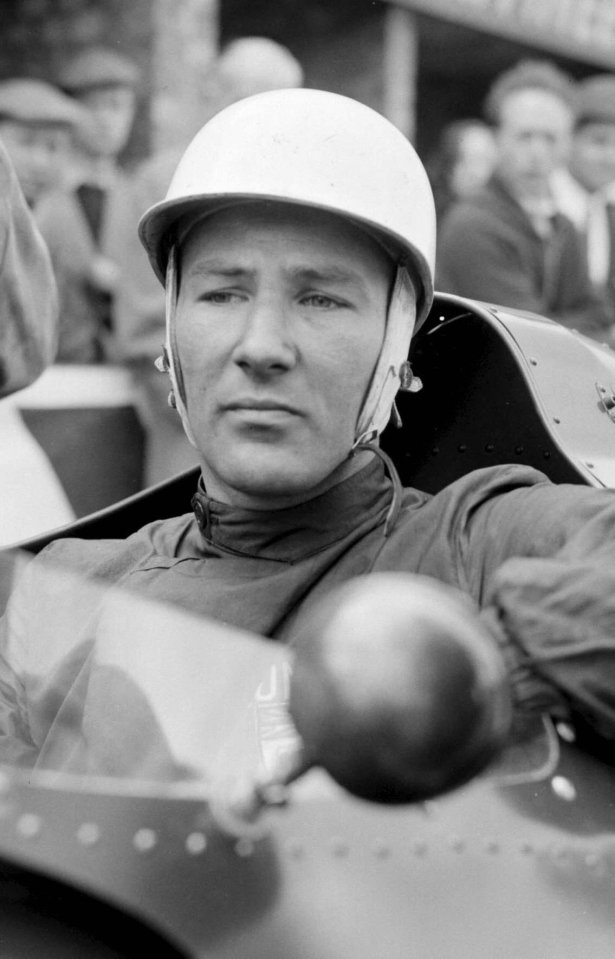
519	872
503	387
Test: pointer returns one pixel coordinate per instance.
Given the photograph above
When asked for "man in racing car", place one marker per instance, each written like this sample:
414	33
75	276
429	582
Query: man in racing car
296	244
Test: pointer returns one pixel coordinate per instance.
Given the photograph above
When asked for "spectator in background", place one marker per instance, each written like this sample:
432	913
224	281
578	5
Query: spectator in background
585	191
462	162
82	411
245	67
37	125
105	83
73	221
509	244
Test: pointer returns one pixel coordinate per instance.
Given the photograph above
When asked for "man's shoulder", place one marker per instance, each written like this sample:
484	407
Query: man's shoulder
488	204
469	490
108	560
496	479
433	531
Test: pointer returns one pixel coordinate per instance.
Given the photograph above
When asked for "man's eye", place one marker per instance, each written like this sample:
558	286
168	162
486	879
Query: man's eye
220	297
321	302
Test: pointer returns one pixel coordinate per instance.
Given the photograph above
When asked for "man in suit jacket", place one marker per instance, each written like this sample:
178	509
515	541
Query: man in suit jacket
585	190
510	244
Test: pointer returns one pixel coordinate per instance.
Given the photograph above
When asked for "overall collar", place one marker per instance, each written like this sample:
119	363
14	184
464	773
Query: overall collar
359	502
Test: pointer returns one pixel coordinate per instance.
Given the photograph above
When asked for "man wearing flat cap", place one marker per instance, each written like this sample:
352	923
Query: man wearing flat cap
37	123
95	394
104	83
586	190
74	221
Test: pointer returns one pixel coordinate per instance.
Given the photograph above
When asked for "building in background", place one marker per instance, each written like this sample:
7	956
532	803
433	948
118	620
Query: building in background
421	62
425	63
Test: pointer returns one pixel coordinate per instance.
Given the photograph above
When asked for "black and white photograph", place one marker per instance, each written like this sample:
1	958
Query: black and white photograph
307	479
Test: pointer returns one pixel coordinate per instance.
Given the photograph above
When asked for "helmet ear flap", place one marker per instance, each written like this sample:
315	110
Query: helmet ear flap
170	358
392	363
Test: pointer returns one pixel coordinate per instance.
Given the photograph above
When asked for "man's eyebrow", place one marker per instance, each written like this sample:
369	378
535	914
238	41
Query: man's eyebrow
329	274
217	267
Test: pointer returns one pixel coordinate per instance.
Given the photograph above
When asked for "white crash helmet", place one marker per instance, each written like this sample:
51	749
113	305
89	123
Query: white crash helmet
317	149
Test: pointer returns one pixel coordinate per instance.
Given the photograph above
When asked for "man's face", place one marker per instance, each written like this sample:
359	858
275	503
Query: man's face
280	319
111	113
474	163
39	153
533	140
592	160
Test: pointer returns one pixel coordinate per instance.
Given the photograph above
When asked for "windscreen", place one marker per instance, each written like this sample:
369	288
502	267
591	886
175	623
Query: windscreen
105	686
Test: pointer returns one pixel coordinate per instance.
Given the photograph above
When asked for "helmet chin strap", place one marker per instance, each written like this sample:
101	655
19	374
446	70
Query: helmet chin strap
391	373
169	362
392	370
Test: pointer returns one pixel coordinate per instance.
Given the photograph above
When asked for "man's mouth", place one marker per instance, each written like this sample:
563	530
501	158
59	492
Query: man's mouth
261	405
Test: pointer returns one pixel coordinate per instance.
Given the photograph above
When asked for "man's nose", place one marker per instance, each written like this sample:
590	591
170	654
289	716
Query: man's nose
265	344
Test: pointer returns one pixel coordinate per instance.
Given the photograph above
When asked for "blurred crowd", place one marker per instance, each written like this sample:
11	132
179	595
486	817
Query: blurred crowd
525	200
539	234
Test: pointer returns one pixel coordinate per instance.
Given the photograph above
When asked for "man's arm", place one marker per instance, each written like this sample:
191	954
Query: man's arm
546	580
28	296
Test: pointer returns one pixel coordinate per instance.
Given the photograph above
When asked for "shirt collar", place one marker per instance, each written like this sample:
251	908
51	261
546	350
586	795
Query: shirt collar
357	504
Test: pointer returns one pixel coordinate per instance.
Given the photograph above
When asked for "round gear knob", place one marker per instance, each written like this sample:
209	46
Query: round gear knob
398	689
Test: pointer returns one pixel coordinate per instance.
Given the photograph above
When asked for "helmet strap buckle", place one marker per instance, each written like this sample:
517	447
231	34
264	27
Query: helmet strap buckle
408	382
162	362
